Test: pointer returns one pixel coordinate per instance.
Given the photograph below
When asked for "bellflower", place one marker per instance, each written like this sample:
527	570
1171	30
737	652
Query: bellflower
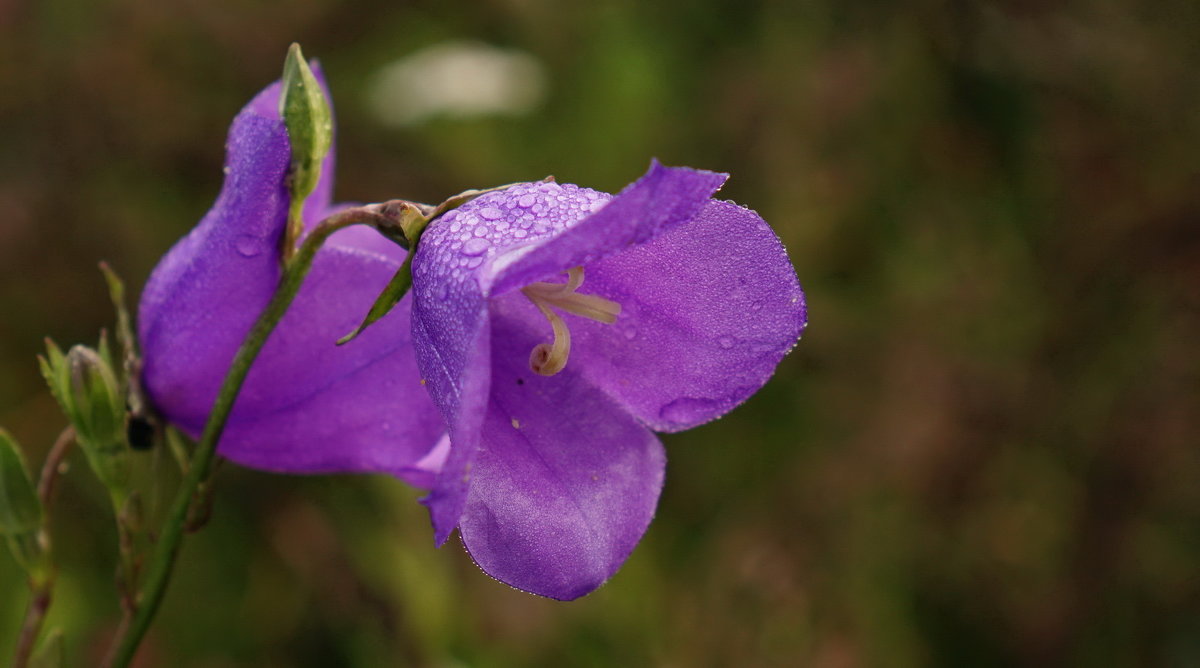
557	328
307	405
550	331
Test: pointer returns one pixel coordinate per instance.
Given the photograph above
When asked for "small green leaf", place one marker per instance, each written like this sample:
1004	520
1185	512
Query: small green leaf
52	654
20	509
309	123
391	295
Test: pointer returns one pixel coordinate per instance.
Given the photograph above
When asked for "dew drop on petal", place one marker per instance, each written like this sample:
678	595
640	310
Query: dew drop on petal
526	201
688	409
248	245
476	246
725	342
491	213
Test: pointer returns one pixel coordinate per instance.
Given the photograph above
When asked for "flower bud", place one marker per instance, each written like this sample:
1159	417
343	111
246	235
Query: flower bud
309	122
85	385
305	112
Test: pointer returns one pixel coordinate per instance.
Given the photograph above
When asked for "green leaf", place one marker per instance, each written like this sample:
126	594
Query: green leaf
52	654
20	509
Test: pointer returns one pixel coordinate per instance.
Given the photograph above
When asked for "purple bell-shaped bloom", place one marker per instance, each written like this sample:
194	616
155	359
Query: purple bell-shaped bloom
308	406
557	328
550	331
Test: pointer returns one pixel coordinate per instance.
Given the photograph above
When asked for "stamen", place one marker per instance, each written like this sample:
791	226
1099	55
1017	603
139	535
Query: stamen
549	359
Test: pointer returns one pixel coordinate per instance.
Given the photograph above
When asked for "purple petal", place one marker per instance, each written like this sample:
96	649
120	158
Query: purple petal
450	335
708	310
663	199
565	482
307	405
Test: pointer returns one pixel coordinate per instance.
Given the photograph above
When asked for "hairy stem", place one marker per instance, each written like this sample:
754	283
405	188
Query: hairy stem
162	562
41	586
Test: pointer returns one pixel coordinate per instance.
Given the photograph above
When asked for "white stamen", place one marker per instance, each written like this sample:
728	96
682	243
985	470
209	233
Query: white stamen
549	359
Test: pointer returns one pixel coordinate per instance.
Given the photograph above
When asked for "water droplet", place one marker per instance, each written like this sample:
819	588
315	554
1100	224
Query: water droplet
630	333
597	205
520	234
725	342
526	201
481	230
491	213
474	262
248	245
476	246
689	410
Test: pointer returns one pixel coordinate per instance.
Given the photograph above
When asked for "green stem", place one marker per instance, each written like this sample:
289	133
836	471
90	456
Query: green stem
162	562
41	580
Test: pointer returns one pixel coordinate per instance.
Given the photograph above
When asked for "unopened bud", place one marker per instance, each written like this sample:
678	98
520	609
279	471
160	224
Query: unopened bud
309	122
86	387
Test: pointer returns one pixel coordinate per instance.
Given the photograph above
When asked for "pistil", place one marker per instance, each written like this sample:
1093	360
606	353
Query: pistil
548	359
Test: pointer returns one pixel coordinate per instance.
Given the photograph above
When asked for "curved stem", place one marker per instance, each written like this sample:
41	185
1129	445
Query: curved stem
54	460
42	587
162	562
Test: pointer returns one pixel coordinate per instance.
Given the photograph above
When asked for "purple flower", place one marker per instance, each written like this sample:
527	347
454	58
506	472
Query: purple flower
307	406
550	331
557	328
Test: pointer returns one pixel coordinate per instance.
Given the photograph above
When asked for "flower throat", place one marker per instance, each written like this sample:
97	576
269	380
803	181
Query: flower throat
548	359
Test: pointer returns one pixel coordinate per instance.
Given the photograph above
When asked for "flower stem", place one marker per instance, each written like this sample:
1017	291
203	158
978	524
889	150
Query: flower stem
41	587
162	562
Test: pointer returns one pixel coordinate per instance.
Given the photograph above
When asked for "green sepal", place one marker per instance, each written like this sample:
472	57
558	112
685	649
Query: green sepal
391	295
57	373
309	123
20	508
413	218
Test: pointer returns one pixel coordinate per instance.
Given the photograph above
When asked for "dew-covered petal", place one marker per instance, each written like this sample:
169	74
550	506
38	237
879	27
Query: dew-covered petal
565	481
708	311
450	334
307	404
658	202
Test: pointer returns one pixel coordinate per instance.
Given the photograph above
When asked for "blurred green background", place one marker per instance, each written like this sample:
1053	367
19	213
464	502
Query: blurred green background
983	452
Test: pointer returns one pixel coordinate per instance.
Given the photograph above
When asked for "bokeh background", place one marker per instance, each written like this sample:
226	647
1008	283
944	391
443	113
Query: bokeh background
984	451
